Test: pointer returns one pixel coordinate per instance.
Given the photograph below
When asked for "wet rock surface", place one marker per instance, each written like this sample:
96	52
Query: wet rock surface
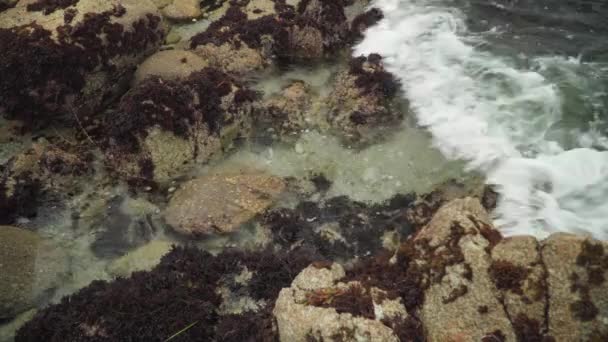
64	58
221	203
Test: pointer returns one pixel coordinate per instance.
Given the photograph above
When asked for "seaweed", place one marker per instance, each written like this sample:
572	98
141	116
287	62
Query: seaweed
584	309
147	306
529	330
494	336
322	184
50	6
353	299
247	327
234	27
40	74
507	276
6	5
409	329
175	106
360	225
180	292
364	21
371	77
595	262
19	195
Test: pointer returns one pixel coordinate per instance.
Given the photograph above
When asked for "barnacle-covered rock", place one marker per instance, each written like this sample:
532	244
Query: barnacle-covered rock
69	57
160	126
361	102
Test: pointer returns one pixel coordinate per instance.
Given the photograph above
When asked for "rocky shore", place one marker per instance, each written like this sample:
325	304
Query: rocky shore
123	216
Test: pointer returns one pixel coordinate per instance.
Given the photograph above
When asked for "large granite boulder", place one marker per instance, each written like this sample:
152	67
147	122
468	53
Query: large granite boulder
221	203
67	58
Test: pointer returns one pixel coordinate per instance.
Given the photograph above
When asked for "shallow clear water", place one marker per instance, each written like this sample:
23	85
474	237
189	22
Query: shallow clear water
518	90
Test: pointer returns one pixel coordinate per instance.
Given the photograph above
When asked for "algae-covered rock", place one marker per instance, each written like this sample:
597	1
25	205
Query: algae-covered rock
29	266
61	59
253	34
163	126
361	104
220	203
43	171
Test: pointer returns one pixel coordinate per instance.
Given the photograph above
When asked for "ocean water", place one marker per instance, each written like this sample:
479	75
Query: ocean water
519	90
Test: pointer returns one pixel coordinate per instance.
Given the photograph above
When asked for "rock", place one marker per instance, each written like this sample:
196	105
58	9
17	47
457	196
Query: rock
100	42
30	267
360	107
182	10
301	316
577	270
520	277
220	203
454	255
288	112
162	127
169	65
143	258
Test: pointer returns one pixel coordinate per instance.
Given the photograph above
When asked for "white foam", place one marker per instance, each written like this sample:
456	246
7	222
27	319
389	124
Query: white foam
482	109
